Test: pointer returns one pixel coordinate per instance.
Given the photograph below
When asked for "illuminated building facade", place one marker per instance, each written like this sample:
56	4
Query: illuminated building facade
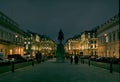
109	38
35	42
31	43
89	42
11	36
47	46
72	46
86	43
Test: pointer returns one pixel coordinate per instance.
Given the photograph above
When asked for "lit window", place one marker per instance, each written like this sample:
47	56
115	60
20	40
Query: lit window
24	42
28	42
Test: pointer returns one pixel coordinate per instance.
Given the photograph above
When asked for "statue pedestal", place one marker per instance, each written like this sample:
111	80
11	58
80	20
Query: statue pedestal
60	53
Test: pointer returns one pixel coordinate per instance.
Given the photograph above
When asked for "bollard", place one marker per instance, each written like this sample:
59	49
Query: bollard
12	62
111	68
12	66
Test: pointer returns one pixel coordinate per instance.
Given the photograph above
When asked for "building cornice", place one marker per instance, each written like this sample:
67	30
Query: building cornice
8	23
108	25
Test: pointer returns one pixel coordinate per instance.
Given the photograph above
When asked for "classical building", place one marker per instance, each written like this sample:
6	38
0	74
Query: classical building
31	43
85	43
88	42
109	38
11	36
72	46
47	46
35	42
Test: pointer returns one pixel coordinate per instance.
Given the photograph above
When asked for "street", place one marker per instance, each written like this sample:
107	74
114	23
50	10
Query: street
51	71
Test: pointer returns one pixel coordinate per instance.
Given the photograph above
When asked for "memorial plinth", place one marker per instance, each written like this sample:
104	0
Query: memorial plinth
60	53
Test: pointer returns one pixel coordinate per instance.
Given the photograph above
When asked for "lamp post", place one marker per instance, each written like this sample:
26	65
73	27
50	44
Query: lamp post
106	41
16	36
89	53
30	49
12	63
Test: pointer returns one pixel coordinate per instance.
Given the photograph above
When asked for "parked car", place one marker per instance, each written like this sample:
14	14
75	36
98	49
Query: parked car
17	58
93	57
3	61
116	61
103	59
27	57
85	57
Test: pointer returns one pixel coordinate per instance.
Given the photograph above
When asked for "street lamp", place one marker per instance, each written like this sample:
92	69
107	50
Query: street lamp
89	53
30	45
16	36
106	41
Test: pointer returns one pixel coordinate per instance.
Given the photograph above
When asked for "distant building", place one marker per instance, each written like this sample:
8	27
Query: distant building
35	42
47	46
89	43
31	43
11	36
109	38
72	46
85	43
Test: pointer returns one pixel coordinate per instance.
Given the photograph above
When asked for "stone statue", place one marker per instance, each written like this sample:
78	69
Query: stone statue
60	36
60	48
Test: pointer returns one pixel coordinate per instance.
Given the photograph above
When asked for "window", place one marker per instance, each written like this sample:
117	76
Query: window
88	35
113	37
91	35
1	50
95	35
1	34
110	38
91	41
95	42
91	46
103	39
118	35
95	46
12	37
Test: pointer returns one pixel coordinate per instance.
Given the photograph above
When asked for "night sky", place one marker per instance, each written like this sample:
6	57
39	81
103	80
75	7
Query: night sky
48	16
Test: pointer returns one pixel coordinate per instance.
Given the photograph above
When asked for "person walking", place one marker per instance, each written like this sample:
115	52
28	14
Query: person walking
71	59
76	59
38	57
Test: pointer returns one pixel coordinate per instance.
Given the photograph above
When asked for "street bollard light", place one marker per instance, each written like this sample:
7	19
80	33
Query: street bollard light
111	67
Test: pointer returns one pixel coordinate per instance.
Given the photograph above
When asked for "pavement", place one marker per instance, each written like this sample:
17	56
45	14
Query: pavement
51	71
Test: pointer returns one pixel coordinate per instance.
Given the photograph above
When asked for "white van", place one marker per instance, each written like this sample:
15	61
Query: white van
2	59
